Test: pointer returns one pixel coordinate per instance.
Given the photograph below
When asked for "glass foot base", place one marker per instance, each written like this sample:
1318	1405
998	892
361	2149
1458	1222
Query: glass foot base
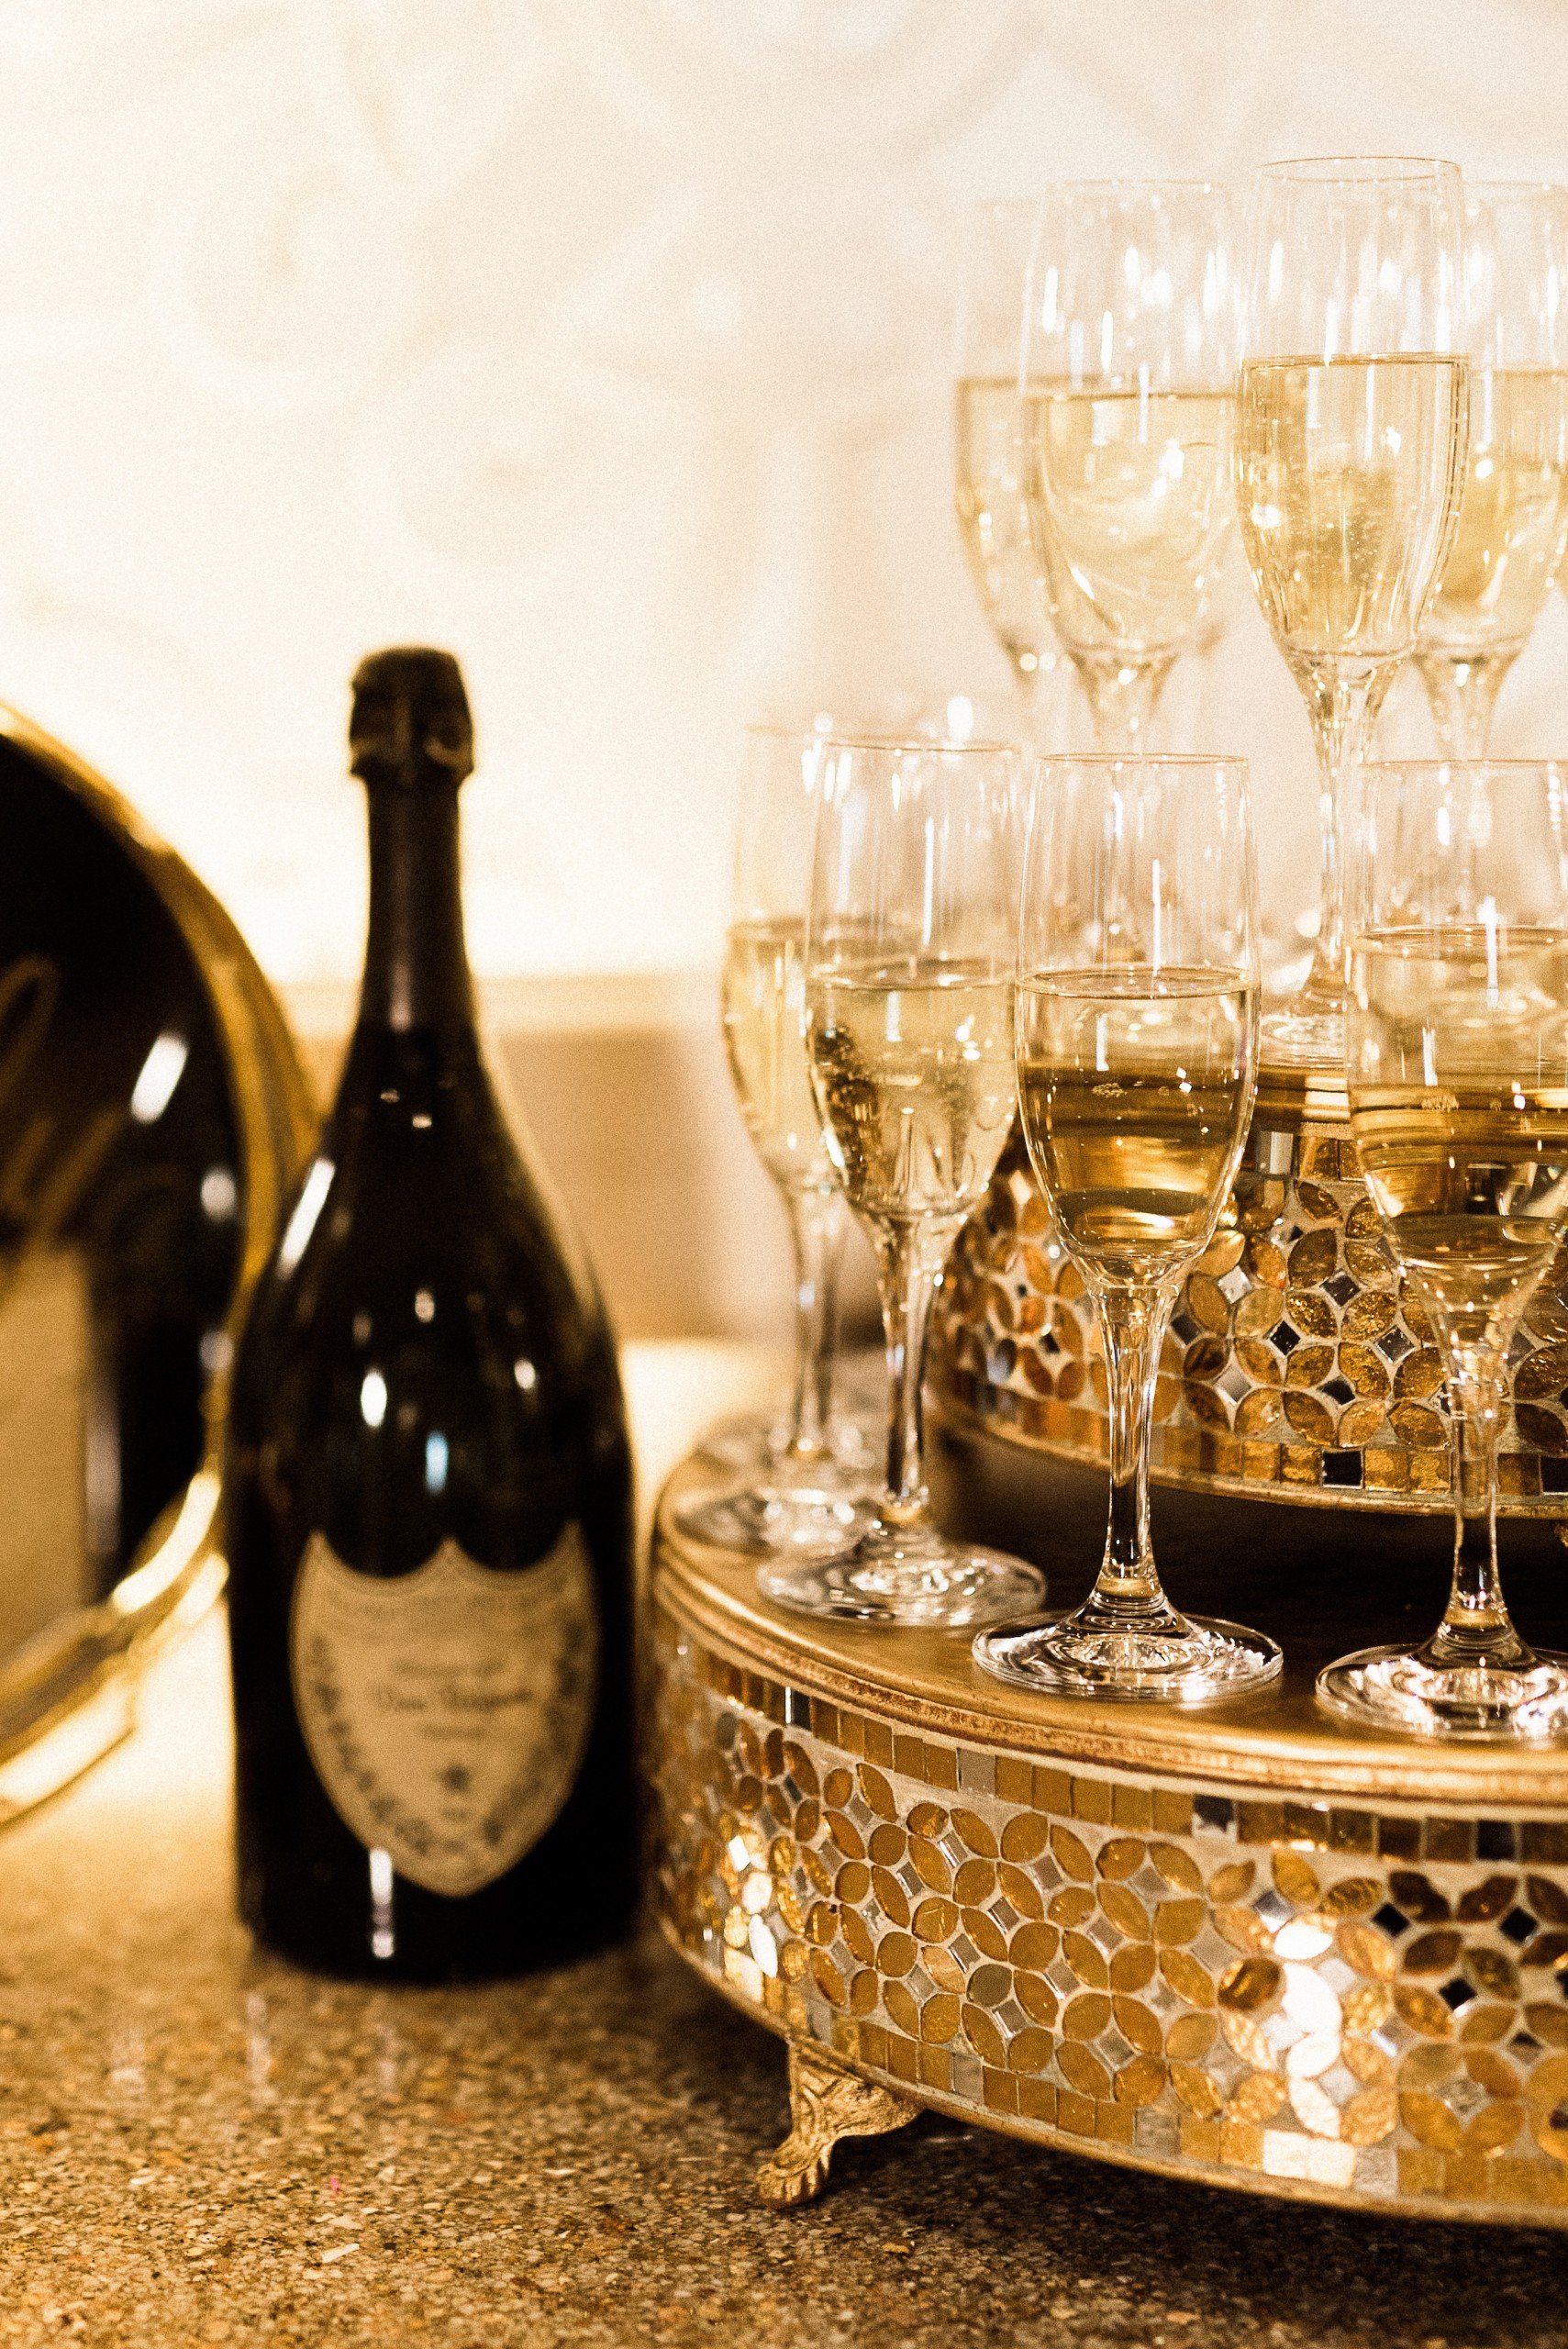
1391	1689
1305	1035
750	1445
1196	1660
762	1521
897	1576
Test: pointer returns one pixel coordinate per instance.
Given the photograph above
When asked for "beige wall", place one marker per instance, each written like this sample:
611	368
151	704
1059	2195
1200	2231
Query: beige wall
608	341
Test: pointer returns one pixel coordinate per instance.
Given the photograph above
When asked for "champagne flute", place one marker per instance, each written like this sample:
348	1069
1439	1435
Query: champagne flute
909	1022
1457	1070
1127	383
1350	422
988	468
1137	1015
1512	530
808	1474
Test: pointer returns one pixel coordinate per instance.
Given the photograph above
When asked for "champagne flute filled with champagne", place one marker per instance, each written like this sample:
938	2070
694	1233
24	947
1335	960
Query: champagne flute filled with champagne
1351	421
1513	510
909	1021
1127	382
810	1473
1136	1052
1457	1070
988	450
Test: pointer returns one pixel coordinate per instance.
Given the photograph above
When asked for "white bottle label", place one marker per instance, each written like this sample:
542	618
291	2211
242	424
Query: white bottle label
447	1711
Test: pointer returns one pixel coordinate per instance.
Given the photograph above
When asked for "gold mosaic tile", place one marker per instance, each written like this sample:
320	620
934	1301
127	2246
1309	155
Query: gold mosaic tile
1364	2004
1297	1356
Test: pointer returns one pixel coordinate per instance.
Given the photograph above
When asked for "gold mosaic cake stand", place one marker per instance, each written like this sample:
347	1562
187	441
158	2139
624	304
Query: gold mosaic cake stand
1246	1945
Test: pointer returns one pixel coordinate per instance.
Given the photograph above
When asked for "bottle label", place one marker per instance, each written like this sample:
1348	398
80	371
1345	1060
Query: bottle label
447	1711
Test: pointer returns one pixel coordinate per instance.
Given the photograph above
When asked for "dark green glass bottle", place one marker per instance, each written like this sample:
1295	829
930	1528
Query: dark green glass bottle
427	1487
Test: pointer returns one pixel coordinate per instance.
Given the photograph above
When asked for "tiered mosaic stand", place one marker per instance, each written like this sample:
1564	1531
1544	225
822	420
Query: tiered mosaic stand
1246	1945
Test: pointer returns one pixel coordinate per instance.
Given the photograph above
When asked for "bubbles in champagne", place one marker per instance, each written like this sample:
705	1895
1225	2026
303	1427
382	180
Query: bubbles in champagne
763	998
913	1065
993	521
1345	474
1459	1104
1132	1085
1129	493
1513	515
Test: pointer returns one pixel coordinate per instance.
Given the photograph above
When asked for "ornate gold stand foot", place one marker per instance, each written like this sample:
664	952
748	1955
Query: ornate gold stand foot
825	2104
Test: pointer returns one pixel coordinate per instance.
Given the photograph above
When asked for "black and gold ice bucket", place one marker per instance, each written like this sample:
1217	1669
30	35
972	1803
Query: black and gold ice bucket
1299	1366
153	1114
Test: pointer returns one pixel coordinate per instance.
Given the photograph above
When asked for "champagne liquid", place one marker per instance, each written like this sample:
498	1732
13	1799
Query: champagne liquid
1133	1088
993	519
764	997
1459	1104
1345	477
1513	515
1130	494
913	1066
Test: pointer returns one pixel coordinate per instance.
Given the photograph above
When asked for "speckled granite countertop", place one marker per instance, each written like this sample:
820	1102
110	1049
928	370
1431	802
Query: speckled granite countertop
200	2146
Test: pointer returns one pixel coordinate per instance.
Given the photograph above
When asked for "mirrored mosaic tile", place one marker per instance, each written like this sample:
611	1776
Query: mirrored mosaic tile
1297	1355
1358	2003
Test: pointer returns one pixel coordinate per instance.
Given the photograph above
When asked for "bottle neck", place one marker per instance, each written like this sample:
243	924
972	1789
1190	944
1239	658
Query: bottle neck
416	963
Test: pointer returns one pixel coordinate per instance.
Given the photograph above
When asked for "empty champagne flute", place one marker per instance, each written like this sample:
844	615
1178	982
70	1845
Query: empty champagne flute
1351	420
1128	379
1457	1070
909	1022
1137	1016
988	456
1512	530
808	1474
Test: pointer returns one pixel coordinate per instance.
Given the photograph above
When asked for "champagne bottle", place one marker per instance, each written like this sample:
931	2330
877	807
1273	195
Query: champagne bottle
427	1487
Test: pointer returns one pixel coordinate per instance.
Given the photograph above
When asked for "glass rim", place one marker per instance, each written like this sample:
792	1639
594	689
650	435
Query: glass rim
1551	761
900	744
1136	184
1494	191
1103	760
1356	169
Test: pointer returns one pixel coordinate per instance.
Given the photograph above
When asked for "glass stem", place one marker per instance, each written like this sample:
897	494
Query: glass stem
1128	1595
1027	680
817	1229
1463	694
1475	1630
909	1256
1122	696
1342	704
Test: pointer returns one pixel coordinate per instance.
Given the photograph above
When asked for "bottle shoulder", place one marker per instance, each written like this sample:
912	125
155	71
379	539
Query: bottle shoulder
421	1242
